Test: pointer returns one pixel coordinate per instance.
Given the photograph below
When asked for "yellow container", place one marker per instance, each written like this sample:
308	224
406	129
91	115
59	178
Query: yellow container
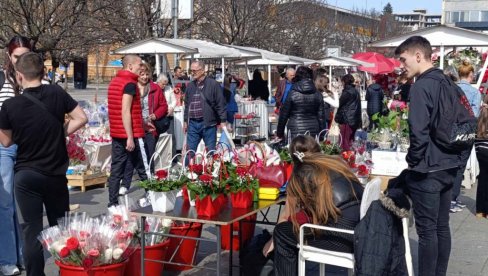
268	193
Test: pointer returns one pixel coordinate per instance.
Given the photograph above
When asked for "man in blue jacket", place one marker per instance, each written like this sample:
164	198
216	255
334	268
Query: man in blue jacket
432	169
205	109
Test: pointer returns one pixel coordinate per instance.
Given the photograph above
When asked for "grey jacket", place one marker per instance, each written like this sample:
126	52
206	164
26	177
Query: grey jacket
214	106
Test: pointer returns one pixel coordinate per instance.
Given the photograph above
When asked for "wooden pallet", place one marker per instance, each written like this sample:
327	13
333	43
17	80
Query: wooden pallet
86	180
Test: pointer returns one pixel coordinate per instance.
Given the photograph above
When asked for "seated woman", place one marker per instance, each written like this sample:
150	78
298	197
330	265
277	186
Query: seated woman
323	191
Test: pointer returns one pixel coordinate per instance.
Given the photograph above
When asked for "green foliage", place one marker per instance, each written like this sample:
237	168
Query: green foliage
388	9
164	185
386	122
199	188
285	155
239	180
329	148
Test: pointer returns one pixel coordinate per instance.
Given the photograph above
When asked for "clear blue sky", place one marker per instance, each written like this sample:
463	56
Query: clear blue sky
399	6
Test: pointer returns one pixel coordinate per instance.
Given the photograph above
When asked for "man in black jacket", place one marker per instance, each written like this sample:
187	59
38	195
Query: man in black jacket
205	109
432	168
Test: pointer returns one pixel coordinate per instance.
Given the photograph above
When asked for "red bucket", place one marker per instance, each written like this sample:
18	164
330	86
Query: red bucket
186	253
106	270
154	252
246	234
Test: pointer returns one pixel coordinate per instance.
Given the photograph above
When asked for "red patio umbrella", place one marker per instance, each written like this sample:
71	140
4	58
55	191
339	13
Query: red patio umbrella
381	64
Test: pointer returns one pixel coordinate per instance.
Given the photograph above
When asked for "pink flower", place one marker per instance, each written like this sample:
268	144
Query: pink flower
117	219
93	253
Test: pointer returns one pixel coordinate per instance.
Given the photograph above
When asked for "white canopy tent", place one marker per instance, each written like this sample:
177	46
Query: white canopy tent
154	46
442	36
341	62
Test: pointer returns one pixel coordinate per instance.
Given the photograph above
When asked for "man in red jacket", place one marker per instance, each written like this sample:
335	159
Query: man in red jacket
126	125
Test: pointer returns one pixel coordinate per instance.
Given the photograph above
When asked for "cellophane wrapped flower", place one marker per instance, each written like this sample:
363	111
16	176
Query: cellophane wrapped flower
79	240
74	146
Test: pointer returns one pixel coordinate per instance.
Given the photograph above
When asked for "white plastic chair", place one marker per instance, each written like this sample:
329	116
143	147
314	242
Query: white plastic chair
322	256
371	192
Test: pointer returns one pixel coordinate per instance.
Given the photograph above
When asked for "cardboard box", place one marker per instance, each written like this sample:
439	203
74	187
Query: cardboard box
388	163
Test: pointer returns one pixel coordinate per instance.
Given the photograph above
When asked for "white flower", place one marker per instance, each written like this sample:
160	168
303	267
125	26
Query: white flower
117	253
57	246
108	255
167	222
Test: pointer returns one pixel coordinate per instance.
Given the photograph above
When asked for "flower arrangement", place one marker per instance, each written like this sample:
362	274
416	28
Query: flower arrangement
285	155
162	182
74	146
239	179
329	148
88	242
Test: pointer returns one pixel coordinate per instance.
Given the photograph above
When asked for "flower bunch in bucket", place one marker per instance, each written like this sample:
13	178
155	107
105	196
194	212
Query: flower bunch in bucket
81	241
242	185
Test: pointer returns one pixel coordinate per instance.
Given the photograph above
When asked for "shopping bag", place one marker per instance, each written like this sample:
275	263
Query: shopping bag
163	152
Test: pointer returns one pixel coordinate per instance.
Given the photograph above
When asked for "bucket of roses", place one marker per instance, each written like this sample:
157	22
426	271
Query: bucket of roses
162	190
80	244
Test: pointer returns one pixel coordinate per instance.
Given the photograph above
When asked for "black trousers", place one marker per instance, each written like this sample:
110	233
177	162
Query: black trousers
119	160
482	190
150	148
32	191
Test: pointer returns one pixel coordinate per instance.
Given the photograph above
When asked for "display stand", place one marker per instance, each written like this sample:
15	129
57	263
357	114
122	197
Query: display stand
85	180
246	129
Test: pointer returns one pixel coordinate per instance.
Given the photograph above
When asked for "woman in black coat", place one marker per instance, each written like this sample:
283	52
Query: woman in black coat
258	88
349	112
303	111
374	96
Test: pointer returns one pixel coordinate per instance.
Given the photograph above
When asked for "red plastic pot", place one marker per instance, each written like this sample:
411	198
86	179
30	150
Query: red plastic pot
154	252
208	207
241	199
106	270
247	233
186	253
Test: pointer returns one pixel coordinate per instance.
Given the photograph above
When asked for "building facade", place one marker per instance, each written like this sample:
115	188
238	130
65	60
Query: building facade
418	19
468	14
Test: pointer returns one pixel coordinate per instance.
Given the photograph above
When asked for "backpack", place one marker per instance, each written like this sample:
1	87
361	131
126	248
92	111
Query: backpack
453	124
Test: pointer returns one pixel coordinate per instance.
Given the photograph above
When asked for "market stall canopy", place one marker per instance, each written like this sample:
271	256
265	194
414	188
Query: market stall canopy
343	62
264	54
210	50
261	61
305	61
382	65
439	35
154	46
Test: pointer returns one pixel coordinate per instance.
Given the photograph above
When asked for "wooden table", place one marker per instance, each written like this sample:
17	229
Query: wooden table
184	212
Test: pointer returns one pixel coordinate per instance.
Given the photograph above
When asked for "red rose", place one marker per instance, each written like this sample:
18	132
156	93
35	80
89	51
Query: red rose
196	168
93	253
161	174
363	170
241	171
64	252
72	243
117	219
206	178
87	263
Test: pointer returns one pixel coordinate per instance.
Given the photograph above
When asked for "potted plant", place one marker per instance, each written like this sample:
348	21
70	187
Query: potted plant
209	194
242	186
162	190
329	148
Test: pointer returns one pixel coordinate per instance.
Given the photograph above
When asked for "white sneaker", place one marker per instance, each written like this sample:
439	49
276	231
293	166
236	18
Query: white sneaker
9	270
122	190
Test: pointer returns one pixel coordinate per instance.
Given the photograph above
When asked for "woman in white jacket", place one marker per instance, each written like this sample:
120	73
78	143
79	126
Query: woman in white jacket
331	99
169	94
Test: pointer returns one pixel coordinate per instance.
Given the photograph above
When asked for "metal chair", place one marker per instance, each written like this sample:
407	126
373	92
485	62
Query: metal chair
371	192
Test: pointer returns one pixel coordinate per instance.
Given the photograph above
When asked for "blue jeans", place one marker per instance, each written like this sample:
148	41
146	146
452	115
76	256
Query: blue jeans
197	131
10	241
431	198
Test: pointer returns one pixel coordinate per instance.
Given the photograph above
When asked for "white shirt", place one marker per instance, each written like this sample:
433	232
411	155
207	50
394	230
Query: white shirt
333	101
6	92
170	99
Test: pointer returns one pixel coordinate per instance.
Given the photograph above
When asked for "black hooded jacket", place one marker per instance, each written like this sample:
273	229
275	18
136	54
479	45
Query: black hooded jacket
374	96
349	111
303	110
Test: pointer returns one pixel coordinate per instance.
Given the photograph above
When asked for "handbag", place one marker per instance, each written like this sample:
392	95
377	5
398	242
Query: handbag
162	124
268	176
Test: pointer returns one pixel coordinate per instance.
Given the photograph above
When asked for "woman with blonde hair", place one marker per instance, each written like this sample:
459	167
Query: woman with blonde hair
322	190
481	147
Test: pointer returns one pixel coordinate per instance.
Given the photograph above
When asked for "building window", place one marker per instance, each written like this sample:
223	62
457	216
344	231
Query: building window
454	17
474	16
464	16
484	16
448	17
